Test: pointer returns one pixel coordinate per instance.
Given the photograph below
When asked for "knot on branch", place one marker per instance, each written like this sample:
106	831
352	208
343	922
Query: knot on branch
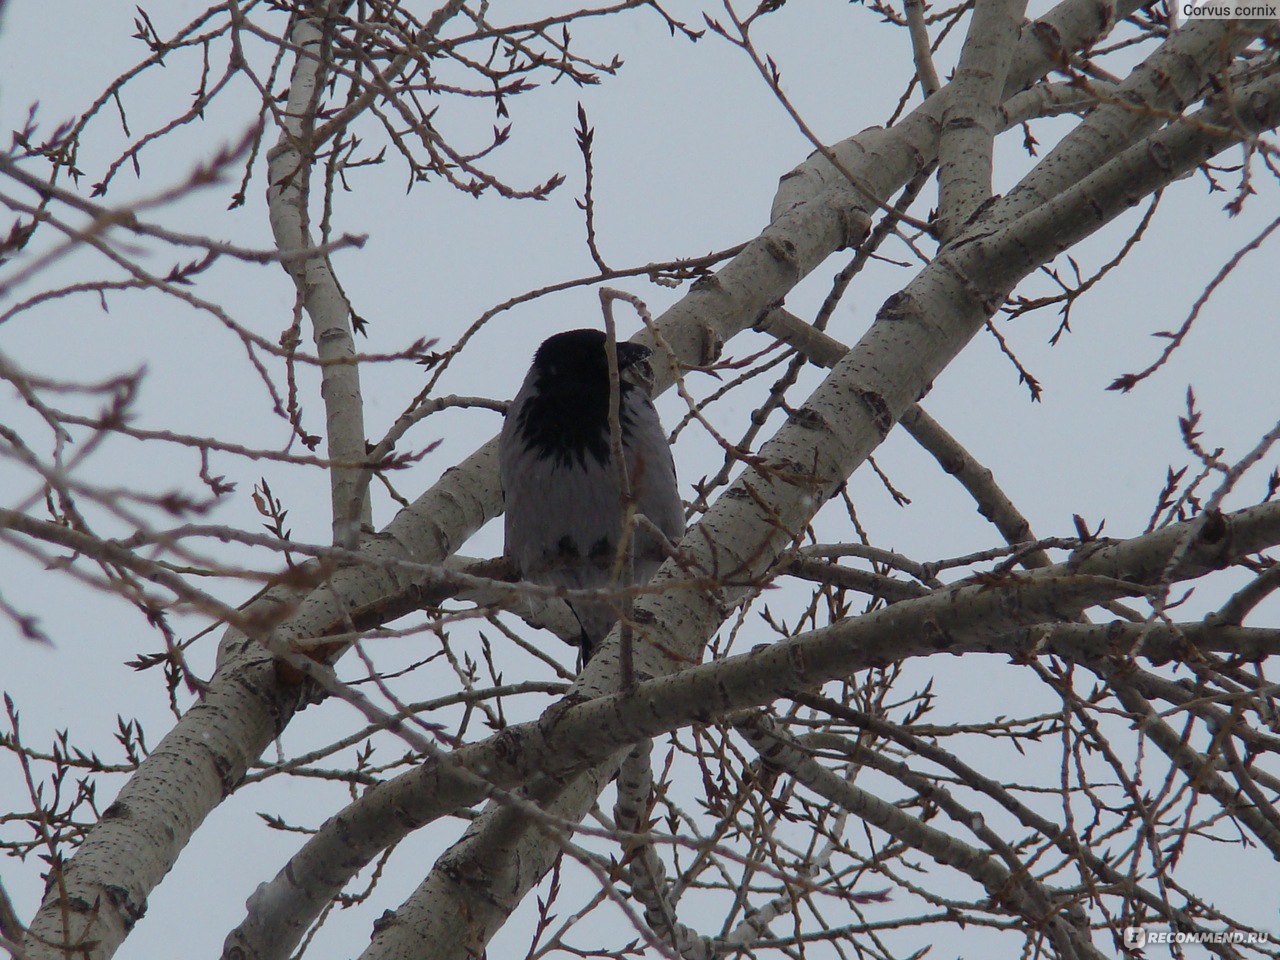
881	415
896	307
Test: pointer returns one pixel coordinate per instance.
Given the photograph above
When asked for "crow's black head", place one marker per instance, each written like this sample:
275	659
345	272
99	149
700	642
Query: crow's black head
579	358
567	416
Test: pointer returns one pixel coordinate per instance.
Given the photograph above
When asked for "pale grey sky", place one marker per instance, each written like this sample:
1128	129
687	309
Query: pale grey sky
689	147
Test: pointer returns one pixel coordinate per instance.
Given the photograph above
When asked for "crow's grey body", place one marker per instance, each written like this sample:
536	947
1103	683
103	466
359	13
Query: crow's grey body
563	505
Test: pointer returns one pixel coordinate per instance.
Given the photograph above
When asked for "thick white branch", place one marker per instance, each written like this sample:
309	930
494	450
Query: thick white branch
246	704
850	413
645	870
482	878
984	617
288	195
1157	89
969	120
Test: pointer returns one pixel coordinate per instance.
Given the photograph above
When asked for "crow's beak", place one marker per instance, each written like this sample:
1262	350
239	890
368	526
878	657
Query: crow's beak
634	366
629	353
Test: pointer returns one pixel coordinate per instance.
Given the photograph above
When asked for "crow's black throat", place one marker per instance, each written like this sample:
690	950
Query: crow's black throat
567	416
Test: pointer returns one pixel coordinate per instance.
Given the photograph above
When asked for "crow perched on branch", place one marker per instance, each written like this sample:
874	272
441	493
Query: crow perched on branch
564	505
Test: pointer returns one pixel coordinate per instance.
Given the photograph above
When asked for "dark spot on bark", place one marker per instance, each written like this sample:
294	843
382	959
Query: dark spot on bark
982	209
796	657
808	419
566	549
880	414
555	713
129	909
991	302
854	226
504	746
1259	106
784	251
117	811
1215	527
937	637
1049	38
223	767
711	346
895	308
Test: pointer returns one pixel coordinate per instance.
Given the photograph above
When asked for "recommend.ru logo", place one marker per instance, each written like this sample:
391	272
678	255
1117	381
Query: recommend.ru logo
1138	938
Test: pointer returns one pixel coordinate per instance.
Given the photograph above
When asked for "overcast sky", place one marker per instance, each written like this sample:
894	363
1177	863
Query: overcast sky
688	151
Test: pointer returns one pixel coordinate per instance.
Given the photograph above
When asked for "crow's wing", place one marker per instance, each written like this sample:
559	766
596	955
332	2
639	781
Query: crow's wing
564	515
652	474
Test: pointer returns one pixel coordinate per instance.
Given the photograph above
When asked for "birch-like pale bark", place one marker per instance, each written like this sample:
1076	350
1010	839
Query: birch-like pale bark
1159	88
1161	642
472	870
645	871
481	892
993	504
1066	28
102	890
755	923
918	332
289	166
1047	99
970	121
473	887
921	51
1188	150
246	704
984	617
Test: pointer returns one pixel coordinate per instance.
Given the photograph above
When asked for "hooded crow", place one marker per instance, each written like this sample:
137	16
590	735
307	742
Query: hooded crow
564	510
